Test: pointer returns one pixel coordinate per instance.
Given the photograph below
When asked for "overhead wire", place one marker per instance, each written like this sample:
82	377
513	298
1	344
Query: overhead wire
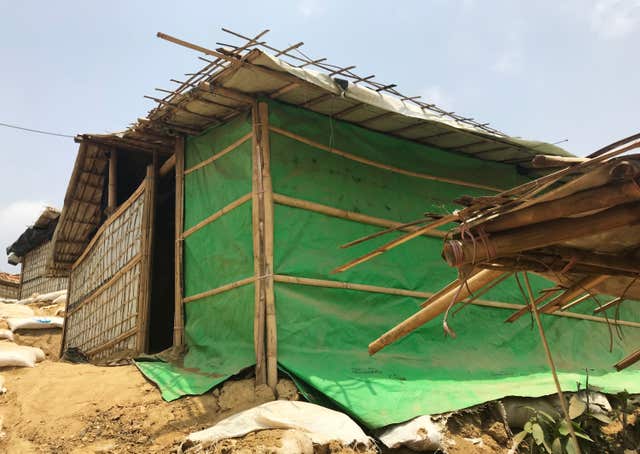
37	131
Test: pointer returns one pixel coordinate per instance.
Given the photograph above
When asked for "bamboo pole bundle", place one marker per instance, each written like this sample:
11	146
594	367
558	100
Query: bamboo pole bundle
580	202
437	305
539	235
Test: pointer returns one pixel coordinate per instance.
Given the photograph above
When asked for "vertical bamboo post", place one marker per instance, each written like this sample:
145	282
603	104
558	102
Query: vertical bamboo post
66	311
178	318
257	214
147	254
552	365
270	309
112	196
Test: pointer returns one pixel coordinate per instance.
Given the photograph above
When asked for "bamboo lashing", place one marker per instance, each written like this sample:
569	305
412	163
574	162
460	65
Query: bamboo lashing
539	235
436	306
397	242
547	351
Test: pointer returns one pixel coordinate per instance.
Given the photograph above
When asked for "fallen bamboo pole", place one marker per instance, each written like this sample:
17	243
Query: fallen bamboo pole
437	306
580	202
547	351
543	234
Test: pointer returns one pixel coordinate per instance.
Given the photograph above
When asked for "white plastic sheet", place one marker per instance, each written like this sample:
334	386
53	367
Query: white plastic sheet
320	424
419	434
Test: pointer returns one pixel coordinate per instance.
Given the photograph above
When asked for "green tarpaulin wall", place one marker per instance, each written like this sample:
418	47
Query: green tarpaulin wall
323	333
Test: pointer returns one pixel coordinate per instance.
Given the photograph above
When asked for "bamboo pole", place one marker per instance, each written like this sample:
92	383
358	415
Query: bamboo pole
524	309
605	306
219	290
436	307
112	196
552	365
257	210
379	165
178	294
581	202
539	235
544	161
220	154
146	274
217	215
628	361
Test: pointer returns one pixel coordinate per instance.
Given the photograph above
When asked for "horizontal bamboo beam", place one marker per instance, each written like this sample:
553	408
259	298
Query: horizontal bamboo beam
217	215
377	164
112	343
544	161
344	214
221	289
220	154
167	166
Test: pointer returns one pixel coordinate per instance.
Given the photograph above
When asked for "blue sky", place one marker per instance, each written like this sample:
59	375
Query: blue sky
548	70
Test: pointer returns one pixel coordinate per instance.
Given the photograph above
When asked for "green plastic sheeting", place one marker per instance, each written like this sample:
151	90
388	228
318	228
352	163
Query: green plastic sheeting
323	333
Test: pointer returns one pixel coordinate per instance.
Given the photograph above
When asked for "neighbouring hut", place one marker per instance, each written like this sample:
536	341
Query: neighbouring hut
9	286
214	225
32	250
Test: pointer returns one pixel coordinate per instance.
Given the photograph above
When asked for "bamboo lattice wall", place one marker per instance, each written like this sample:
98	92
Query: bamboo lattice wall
103	313
8	291
35	279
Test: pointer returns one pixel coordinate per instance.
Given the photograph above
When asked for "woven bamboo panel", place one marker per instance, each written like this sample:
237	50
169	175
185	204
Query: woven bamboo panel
105	286
34	278
42	285
118	244
106	316
8	291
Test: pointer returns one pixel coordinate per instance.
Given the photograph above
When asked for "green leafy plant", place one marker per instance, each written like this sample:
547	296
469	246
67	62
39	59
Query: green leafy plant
544	434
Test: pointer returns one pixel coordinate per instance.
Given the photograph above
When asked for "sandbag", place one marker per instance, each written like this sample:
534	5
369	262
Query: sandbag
39	354
8	310
62	299
17	357
35	323
36	298
320	424
6	334
420	434
2	387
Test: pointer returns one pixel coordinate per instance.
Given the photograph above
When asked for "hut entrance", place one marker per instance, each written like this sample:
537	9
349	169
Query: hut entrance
162	267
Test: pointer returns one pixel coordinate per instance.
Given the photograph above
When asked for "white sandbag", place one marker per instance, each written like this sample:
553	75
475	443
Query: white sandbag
62	299
39	354
320	424
419	434
2	389
8	310
38	322
36	298
6	334
17	357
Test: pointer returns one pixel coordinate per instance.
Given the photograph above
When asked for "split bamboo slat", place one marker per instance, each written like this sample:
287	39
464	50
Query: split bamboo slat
257	213
435	307
379	165
573	292
178	317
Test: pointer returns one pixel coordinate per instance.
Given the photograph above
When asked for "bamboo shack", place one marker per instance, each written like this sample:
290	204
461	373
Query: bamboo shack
214	224
32	250
9	286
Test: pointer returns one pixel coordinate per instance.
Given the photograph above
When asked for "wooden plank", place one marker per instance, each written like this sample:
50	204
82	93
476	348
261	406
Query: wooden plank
217	215
220	154
178	317
219	290
379	165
